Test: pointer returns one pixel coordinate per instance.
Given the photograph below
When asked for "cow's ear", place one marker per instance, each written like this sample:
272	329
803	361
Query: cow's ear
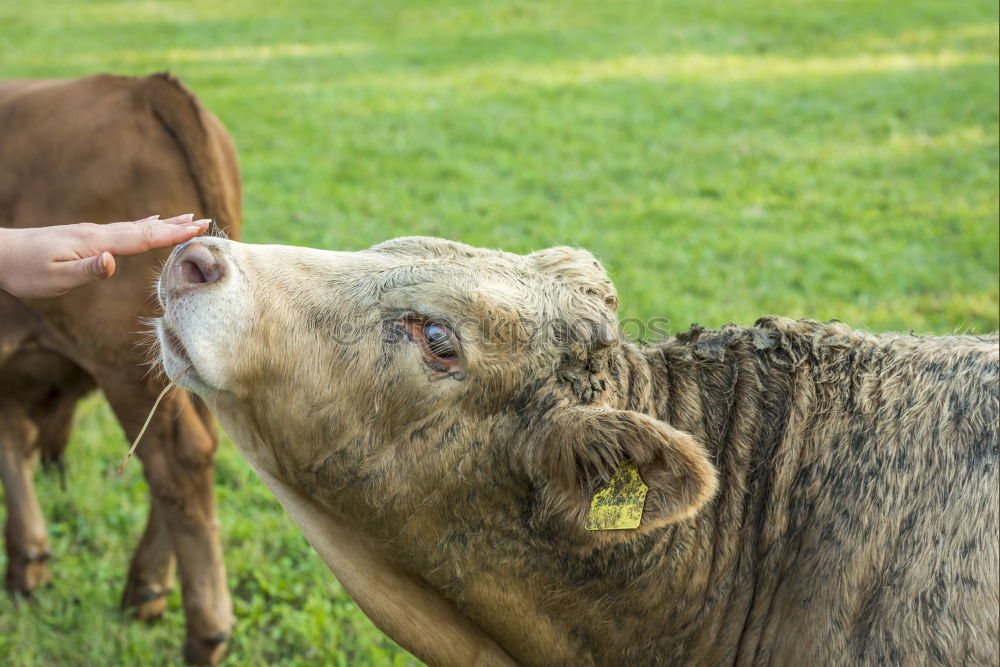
619	470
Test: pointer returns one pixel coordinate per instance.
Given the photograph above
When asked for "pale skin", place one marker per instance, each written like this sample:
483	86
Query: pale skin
43	262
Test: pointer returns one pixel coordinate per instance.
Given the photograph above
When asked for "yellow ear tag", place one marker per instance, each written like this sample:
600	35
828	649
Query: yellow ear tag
618	506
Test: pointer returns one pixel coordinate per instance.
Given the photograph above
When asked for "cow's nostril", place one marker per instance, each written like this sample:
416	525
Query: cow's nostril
192	273
197	265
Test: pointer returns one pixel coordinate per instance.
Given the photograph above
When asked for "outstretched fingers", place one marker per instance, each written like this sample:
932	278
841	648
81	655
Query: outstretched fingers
102	242
128	238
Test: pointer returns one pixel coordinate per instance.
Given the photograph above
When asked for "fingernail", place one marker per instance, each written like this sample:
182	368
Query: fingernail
203	222
106	264
193	228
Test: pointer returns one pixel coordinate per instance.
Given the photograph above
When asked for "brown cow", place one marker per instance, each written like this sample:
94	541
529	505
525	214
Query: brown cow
107	148
495	476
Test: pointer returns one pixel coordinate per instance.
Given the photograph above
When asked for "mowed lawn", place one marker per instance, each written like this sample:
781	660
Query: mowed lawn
725	161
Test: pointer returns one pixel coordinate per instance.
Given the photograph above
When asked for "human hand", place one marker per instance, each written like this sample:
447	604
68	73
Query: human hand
42	262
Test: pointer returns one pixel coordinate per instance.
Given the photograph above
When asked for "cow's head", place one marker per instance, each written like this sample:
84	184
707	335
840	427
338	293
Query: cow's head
424	384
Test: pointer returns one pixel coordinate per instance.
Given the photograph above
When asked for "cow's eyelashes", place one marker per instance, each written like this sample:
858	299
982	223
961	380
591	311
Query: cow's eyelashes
437	343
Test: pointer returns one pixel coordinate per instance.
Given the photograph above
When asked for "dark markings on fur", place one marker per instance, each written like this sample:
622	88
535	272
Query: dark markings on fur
449	435
430	426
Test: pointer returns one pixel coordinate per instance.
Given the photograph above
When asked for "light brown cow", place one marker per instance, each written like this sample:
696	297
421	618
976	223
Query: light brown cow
107	148
447	424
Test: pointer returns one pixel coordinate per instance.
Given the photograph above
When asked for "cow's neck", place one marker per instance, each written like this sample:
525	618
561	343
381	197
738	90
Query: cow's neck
734	394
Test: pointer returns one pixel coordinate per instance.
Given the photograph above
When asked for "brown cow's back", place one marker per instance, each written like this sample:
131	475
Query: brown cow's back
109	148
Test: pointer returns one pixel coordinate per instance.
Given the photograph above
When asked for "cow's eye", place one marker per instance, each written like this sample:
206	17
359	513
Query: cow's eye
437	343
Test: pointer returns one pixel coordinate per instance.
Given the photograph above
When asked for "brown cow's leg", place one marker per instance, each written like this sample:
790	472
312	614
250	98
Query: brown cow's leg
151	573
177	453
27	539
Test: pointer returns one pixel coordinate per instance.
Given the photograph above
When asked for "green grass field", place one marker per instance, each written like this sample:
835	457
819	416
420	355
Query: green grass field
725	161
